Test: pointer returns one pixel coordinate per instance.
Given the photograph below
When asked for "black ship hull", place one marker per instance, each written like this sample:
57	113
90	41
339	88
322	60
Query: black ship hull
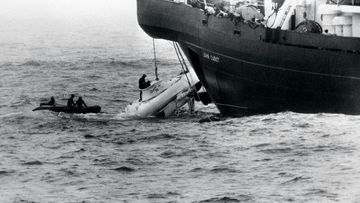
250	69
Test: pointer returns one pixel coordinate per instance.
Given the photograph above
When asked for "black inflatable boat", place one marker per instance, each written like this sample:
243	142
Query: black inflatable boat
66	109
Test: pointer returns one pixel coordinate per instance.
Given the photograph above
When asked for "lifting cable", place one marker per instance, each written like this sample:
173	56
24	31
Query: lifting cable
178	53
183	66
156	69
183	60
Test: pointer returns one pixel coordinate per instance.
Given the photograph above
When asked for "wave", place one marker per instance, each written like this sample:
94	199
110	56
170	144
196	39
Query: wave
135	62
323	193
197	169
213	118
296	179
32	63
176	153
261	145
215	170
240	198
134	161
71	172
224	170
97	117
6	172
263	160
277	150
124	169
162	196
88	136
24	100
163	136
10	115
31	163
5	64
302	125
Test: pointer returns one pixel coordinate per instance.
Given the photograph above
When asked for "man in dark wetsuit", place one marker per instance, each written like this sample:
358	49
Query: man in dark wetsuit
70	102
80	102
143	84
49	103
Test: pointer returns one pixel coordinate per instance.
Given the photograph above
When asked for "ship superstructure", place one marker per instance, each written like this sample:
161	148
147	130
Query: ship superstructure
266	56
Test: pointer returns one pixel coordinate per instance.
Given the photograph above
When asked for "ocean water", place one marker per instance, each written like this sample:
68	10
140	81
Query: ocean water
111	157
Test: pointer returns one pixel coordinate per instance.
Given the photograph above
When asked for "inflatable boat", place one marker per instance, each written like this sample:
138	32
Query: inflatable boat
66	109
164	97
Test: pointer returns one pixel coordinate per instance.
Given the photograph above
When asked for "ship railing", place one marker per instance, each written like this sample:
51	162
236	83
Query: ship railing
192	2
234	10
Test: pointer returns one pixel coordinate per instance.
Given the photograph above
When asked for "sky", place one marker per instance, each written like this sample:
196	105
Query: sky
66	9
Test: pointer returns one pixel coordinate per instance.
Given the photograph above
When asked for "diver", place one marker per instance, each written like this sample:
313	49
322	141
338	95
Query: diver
80	103
143	84
70	102
191	103
49	103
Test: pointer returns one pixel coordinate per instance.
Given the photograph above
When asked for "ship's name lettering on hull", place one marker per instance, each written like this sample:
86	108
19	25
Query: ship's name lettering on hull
211	57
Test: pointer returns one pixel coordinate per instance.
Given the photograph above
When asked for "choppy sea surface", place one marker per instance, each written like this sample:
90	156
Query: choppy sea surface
111	157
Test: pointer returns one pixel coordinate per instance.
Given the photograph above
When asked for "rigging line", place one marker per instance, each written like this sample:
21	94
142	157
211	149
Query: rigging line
179	50
194	88
274	12
156	69
182	66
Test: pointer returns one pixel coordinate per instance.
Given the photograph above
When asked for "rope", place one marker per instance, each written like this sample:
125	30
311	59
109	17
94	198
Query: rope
177	54
275	9
177	49
182	66
267	21
183	60
156	73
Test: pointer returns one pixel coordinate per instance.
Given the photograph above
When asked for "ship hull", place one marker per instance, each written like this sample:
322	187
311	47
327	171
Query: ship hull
250	70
